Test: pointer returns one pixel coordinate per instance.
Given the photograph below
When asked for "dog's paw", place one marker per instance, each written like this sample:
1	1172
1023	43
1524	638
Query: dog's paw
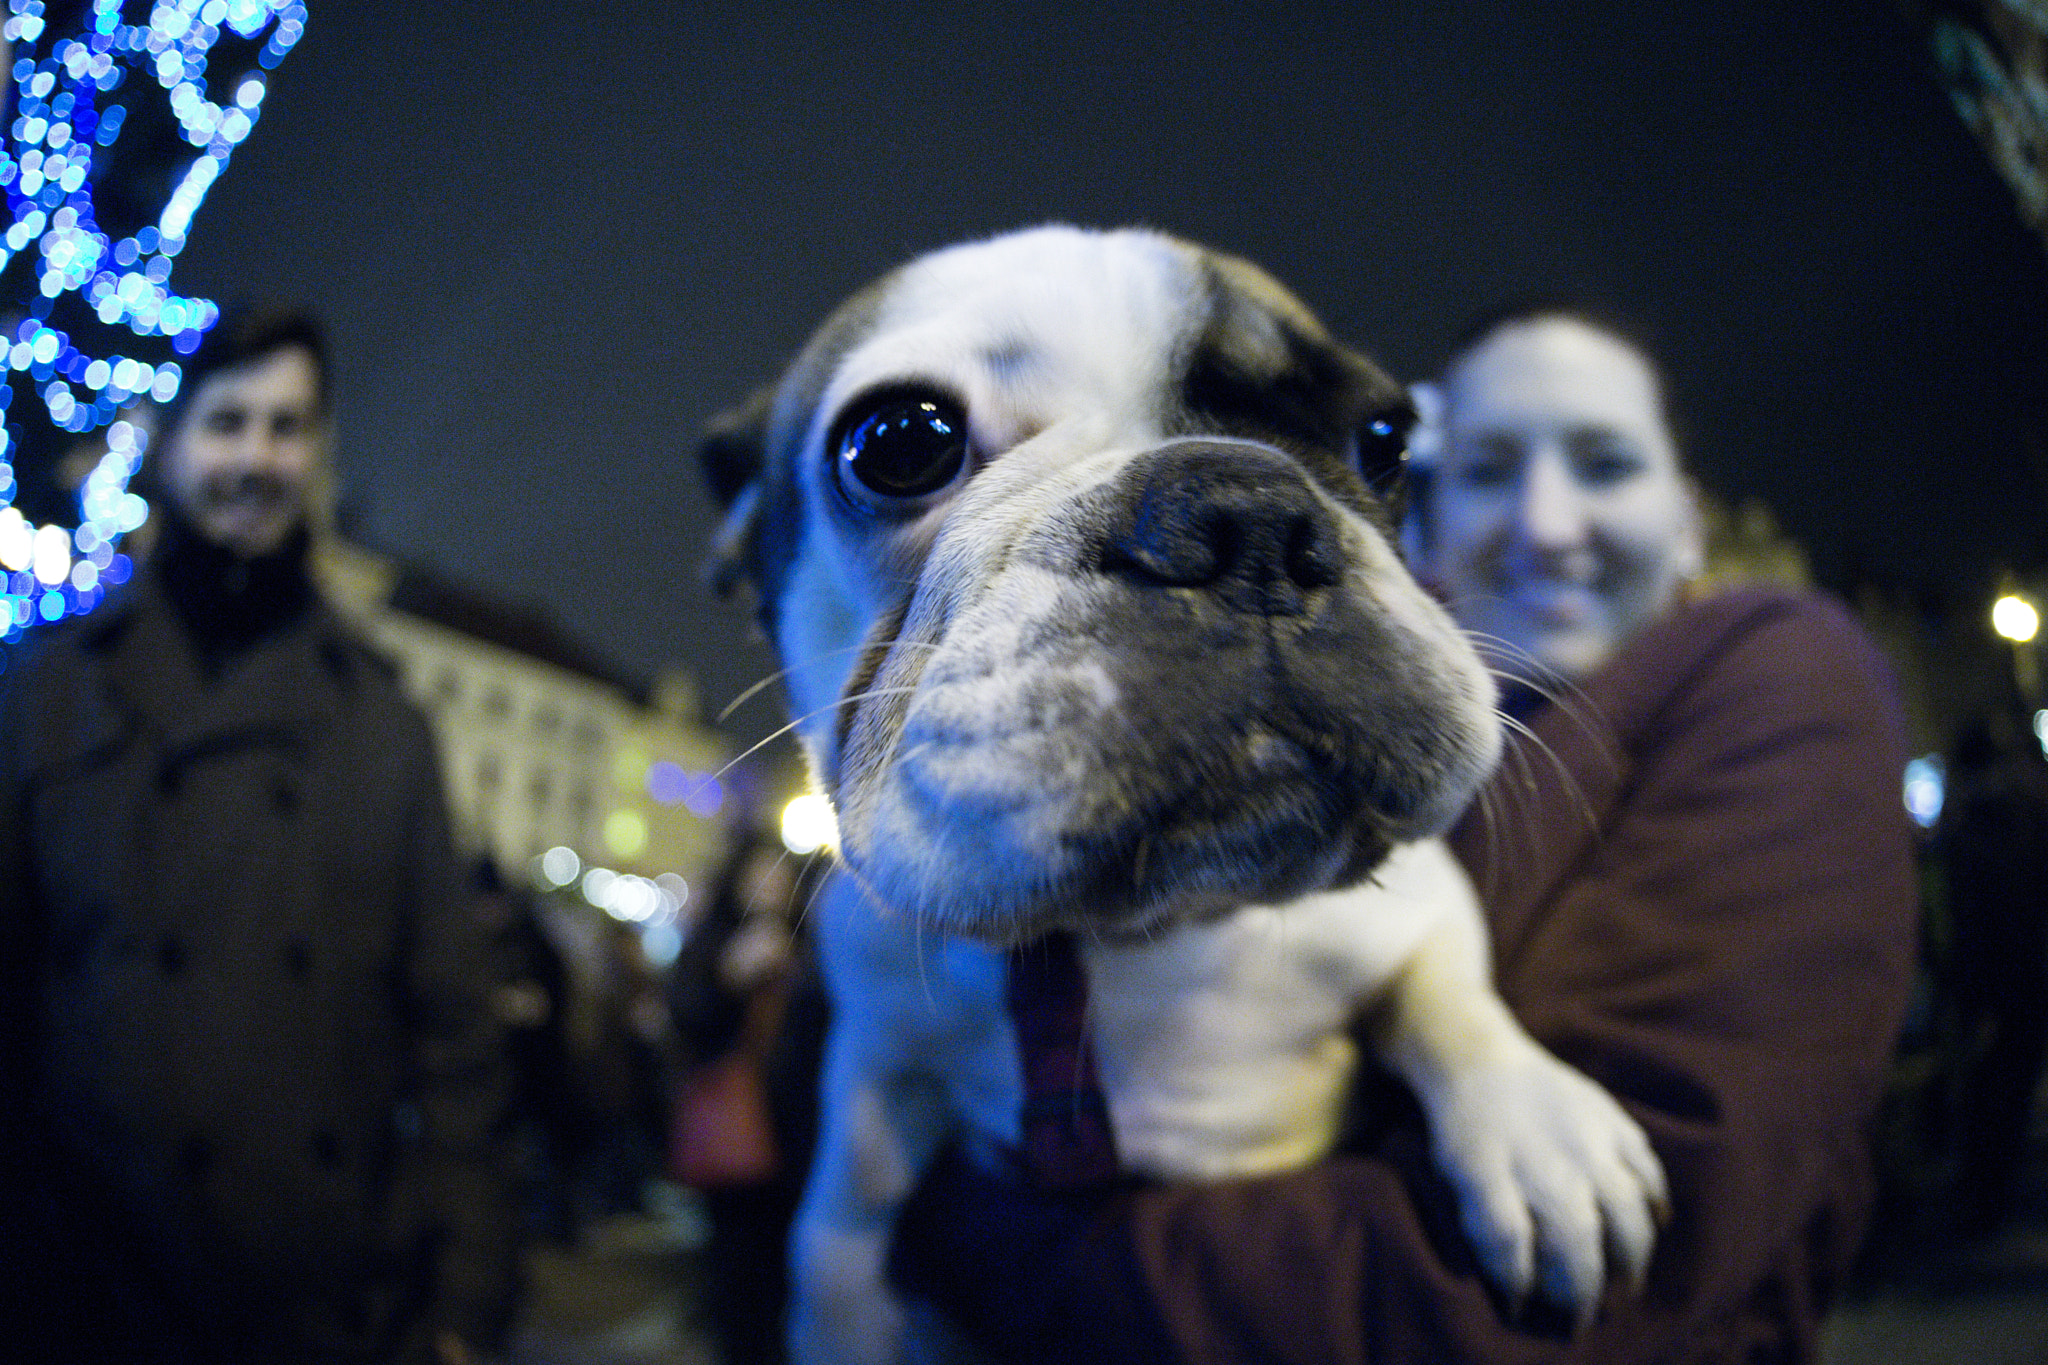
1556	1183
841	1311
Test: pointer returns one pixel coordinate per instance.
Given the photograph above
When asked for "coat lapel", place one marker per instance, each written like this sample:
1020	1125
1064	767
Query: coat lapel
281	691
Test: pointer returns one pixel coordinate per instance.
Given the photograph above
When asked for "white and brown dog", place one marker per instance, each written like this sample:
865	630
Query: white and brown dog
1091	620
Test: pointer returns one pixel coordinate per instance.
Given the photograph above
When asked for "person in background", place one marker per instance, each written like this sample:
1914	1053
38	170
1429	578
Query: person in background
248	1043
1697	873
1992	842
746	979
531	1002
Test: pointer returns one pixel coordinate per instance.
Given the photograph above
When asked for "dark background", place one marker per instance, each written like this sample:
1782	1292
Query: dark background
552	239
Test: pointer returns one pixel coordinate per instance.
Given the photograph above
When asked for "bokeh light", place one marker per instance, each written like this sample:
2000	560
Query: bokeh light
809	825
560	866
64	110
2015	618
1925	789
625	833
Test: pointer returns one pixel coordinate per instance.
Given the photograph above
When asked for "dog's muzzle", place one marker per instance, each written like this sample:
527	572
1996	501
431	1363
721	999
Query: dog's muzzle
1197	682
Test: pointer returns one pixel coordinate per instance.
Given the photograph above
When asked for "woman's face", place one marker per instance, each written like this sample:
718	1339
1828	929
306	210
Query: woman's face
1561	521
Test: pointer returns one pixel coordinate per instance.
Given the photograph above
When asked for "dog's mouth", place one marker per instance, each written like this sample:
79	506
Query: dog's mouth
1267	838
1121	832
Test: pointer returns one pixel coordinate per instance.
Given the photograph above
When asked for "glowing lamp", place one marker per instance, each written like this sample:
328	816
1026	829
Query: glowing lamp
2015	618
809	825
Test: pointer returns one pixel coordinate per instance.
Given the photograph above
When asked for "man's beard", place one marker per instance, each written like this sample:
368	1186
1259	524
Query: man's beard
251	490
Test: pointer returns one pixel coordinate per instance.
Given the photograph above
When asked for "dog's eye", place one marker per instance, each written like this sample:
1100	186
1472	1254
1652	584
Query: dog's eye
900	448
1383	449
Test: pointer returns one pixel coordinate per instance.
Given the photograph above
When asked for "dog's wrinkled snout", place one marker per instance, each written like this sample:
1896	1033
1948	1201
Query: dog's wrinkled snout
1232	519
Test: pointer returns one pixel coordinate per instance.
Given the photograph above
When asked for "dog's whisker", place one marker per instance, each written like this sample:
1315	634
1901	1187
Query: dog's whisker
1516	666
818	884
756	747
803	720
756	904
749	694
1490	832
1570	783
779	674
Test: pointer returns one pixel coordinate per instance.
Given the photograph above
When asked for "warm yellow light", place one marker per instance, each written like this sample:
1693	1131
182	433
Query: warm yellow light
2015	618
625	833
629	768
808	824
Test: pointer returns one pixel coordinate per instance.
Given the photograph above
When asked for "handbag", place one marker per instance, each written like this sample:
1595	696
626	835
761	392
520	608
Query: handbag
720	1130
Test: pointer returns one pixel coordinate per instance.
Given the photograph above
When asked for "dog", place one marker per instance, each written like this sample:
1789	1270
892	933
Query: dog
1074	548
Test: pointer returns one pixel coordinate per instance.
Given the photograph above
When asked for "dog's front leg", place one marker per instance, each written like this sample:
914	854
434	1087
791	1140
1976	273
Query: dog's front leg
1552	1176
880	1127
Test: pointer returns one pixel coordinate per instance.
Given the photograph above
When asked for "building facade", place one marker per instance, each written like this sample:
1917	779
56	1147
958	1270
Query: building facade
544	747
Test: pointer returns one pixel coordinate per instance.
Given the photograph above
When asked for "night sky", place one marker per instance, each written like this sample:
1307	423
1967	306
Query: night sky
552	239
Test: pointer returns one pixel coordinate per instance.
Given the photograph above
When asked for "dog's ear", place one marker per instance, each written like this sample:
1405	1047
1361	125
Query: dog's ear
733	455
735	444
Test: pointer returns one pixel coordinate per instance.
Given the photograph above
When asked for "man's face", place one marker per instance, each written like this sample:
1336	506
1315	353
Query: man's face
241	462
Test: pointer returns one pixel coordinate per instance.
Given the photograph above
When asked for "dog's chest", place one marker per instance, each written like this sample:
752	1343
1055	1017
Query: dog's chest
1222	1048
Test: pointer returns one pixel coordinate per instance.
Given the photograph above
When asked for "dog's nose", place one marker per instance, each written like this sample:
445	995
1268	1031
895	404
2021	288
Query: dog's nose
1232	518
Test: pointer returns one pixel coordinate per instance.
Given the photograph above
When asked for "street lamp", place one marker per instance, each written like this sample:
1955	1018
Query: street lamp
2015	618
2018	620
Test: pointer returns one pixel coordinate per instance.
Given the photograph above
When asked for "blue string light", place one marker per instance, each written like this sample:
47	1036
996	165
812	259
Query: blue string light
65	113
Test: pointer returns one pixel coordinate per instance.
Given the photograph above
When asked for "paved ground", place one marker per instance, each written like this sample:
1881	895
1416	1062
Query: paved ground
624	1295
1984	1304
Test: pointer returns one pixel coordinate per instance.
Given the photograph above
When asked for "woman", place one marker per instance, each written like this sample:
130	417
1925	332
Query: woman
1697	873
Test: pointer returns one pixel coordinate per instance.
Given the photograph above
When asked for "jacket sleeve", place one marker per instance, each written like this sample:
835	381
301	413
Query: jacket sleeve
462	1077
1728	950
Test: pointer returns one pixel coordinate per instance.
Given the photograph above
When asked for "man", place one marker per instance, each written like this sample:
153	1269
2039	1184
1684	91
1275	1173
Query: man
245	1001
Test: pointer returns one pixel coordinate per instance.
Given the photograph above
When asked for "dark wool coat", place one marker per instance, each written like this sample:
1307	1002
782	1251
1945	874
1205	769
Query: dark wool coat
246	1001
1699	878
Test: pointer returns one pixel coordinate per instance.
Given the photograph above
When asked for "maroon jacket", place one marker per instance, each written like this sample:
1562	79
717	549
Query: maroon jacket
1699	879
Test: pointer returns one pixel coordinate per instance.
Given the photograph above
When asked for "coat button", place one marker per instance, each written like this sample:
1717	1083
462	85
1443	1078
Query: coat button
284	796
170	956
298	959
